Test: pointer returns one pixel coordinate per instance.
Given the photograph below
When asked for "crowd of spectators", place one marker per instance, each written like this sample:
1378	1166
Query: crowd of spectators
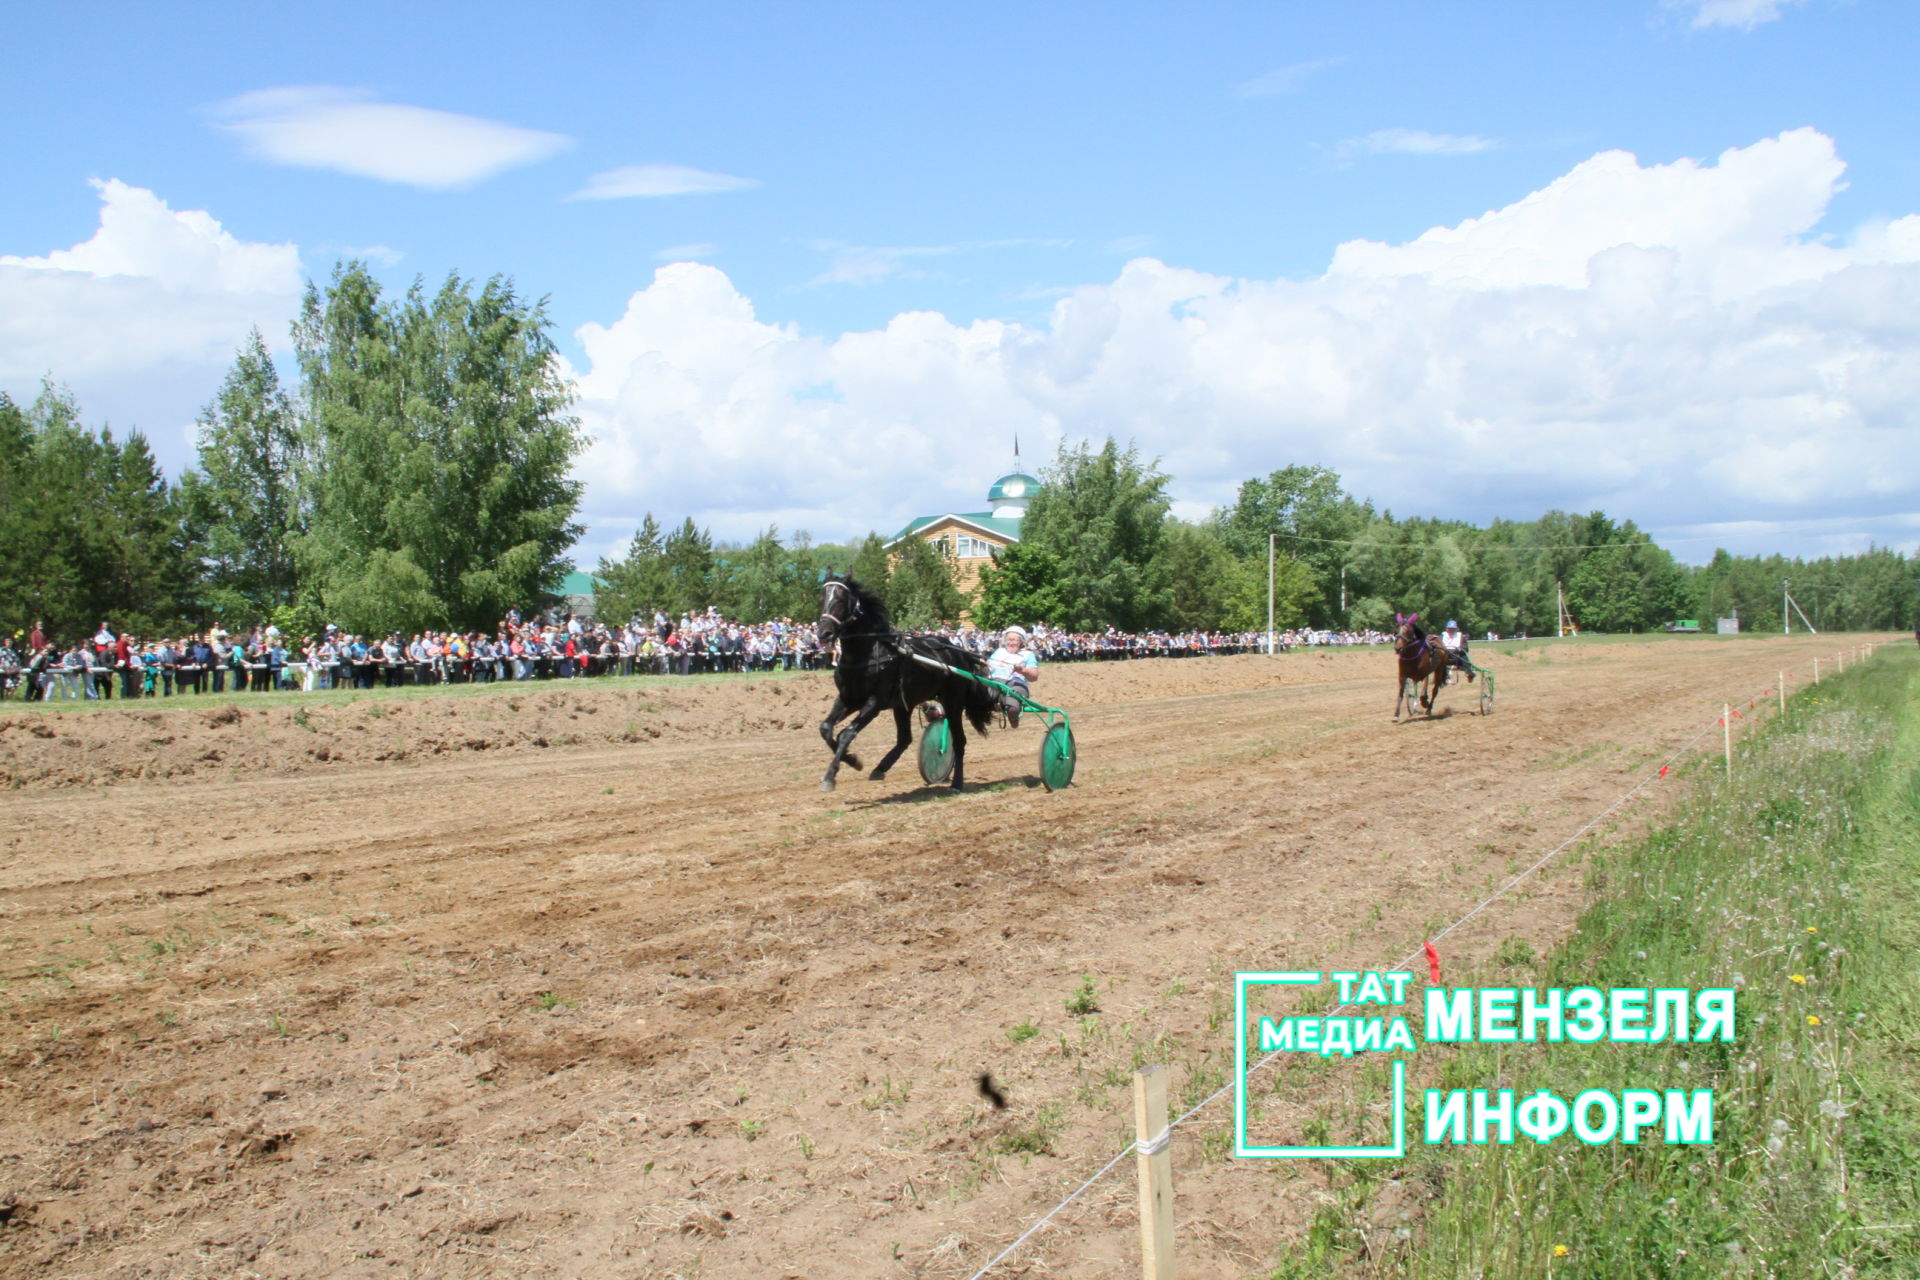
548	646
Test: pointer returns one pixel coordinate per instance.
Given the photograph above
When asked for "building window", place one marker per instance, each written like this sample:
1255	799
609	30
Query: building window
972	548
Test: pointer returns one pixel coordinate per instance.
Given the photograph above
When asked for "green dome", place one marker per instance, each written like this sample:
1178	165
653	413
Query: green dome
1015	485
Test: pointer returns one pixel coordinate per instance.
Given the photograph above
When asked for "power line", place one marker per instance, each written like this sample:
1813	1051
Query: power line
1561	546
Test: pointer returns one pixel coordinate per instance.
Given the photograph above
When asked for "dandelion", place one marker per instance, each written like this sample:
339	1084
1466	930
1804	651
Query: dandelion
1812	1021
1800	978
1561	1251
1811	929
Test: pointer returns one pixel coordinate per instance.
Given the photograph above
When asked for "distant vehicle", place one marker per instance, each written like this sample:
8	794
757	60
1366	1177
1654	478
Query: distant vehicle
1684	624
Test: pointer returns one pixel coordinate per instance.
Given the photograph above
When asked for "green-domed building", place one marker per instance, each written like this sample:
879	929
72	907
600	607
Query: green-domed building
971	537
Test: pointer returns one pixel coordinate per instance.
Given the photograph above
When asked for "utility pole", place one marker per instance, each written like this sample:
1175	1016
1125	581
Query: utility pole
1785	622
1270	545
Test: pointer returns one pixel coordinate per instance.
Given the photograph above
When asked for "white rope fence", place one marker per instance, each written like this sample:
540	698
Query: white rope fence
1412	956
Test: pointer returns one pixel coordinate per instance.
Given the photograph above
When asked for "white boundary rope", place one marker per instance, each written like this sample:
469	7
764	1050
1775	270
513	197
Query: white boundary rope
1166	1135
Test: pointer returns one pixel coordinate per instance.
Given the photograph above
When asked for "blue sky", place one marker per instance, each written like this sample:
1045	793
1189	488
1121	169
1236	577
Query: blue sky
1398	240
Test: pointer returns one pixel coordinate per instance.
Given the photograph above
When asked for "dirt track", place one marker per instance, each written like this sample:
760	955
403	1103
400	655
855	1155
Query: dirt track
406	992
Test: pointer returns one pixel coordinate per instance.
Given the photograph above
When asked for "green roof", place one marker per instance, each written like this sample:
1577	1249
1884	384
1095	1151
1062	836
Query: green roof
577	583
1007	527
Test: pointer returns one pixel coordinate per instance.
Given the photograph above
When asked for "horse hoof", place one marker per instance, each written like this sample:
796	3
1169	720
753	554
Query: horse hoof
877	776
827	785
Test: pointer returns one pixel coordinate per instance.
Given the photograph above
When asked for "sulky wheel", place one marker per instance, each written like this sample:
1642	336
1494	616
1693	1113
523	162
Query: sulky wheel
1057	757
936	752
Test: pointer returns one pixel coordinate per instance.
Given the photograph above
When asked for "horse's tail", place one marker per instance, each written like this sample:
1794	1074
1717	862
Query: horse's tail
981	699
977	700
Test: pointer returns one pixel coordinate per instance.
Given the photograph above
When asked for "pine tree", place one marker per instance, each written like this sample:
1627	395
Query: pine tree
637	584
688	561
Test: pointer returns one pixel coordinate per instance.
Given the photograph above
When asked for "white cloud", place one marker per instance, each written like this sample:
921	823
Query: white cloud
1675	343
1743	14
1288	79
345	130
871	264
142	318
652	180
379	254
1413	142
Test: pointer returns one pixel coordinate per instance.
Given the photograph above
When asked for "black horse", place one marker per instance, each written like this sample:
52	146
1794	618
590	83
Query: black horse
878	670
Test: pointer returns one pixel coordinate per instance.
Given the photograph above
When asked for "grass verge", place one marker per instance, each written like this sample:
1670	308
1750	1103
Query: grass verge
1796	882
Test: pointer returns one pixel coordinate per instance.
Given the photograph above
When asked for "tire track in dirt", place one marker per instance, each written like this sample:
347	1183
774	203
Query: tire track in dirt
513	1021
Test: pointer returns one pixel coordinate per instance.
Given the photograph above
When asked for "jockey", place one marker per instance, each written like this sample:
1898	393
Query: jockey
1013	665
1454	641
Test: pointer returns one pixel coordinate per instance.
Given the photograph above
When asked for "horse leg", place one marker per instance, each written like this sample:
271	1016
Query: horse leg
957	726
903	726
835	714
847	735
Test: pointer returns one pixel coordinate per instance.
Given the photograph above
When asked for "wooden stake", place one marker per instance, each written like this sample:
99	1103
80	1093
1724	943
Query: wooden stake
1726	723
1156	1173
1783	690
1816	671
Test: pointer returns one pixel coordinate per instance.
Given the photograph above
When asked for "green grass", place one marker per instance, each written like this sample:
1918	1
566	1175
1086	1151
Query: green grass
1804	865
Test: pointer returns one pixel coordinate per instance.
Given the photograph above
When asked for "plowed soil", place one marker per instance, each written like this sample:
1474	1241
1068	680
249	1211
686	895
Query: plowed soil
593	981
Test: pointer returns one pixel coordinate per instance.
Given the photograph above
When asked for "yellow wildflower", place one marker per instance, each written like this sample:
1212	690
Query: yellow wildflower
1560	1251
1800	978
1812	1021
1811	929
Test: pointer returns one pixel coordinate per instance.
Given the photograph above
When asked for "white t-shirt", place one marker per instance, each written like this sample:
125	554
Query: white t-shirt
1453	639
1003	666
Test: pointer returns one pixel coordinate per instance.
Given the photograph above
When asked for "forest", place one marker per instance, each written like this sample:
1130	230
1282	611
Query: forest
418	474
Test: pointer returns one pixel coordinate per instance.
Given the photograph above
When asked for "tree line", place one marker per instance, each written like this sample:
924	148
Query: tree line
418	474
1099	547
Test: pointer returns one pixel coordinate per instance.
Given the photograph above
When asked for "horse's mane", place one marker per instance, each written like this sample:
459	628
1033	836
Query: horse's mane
872	607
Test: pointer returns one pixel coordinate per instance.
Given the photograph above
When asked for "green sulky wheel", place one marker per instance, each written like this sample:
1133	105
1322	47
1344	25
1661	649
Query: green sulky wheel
936	752
1057	757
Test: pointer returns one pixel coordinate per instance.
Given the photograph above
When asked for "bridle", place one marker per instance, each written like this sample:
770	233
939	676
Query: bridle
826	605
836	634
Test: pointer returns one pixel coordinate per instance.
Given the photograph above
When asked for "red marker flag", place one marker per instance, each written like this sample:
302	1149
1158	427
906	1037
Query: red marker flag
1663	770
1433	964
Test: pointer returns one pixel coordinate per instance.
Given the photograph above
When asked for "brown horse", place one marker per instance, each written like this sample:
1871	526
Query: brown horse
1423	666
